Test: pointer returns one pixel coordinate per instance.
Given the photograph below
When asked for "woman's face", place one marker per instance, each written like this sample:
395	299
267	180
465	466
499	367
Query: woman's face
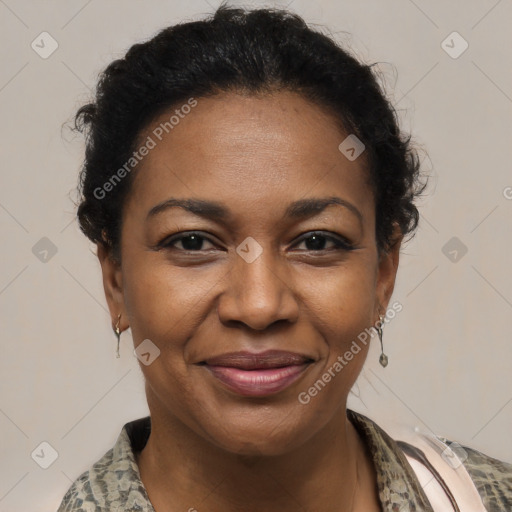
263	272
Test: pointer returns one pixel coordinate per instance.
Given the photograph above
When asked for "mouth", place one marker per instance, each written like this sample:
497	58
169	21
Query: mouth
257	374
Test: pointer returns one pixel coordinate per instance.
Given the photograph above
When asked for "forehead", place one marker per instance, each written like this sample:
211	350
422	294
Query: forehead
248	150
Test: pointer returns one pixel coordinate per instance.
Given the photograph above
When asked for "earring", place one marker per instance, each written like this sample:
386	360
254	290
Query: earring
117	332
383	359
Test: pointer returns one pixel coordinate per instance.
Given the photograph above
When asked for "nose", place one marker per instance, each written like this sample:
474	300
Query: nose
258	294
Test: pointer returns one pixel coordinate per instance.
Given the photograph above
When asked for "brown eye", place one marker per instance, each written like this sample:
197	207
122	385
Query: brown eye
316	241
190	242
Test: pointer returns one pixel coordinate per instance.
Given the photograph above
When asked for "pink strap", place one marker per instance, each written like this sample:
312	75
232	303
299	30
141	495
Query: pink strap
449	466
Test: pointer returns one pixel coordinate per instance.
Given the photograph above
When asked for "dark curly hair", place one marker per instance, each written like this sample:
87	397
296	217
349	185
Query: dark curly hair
252	51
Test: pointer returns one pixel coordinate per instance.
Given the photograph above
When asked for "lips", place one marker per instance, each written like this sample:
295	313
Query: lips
257	374
255	361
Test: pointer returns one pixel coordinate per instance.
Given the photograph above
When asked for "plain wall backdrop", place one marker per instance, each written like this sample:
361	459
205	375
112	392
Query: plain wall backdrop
450	348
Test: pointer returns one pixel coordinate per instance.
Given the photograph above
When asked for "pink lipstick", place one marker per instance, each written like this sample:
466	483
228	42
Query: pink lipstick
257	374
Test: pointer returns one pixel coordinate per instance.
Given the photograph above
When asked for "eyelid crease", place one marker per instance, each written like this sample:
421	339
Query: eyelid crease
340	241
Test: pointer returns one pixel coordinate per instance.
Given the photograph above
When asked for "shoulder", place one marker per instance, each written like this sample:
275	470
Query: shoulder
85	493
79	497
492	478
113	483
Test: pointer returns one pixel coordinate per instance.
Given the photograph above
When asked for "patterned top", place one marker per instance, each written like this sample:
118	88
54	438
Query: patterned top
113	483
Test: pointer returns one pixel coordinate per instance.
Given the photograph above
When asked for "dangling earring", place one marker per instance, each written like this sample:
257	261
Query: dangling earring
383	359
117	331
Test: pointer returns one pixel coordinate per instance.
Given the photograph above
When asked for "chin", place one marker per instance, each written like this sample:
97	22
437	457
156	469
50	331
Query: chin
257	438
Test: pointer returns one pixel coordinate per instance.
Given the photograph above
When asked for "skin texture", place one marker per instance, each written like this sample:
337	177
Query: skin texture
209	447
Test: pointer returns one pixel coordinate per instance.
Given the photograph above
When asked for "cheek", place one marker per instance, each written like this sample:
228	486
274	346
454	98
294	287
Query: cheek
343	308
164	301
163	306
342	300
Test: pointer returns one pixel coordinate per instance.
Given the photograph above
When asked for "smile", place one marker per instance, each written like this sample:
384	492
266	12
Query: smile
264	374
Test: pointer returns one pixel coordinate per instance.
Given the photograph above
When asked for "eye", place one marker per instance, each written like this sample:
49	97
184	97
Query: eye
315	241
191	241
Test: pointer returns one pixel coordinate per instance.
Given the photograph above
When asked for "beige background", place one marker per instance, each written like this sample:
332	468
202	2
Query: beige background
450	348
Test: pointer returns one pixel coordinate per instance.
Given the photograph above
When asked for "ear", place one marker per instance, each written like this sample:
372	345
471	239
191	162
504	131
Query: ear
386	273
113	285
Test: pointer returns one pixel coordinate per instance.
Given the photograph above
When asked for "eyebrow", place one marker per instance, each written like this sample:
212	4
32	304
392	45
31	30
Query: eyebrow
302	208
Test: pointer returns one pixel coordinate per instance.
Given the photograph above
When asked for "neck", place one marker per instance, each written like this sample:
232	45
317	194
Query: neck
179	466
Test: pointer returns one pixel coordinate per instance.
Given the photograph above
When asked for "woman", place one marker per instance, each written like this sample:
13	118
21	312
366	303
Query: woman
249	189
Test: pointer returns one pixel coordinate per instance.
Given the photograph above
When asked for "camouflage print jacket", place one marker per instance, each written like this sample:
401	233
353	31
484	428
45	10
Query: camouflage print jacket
113	483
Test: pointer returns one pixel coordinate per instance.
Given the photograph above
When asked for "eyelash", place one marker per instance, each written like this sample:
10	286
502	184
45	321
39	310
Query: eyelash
340	243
